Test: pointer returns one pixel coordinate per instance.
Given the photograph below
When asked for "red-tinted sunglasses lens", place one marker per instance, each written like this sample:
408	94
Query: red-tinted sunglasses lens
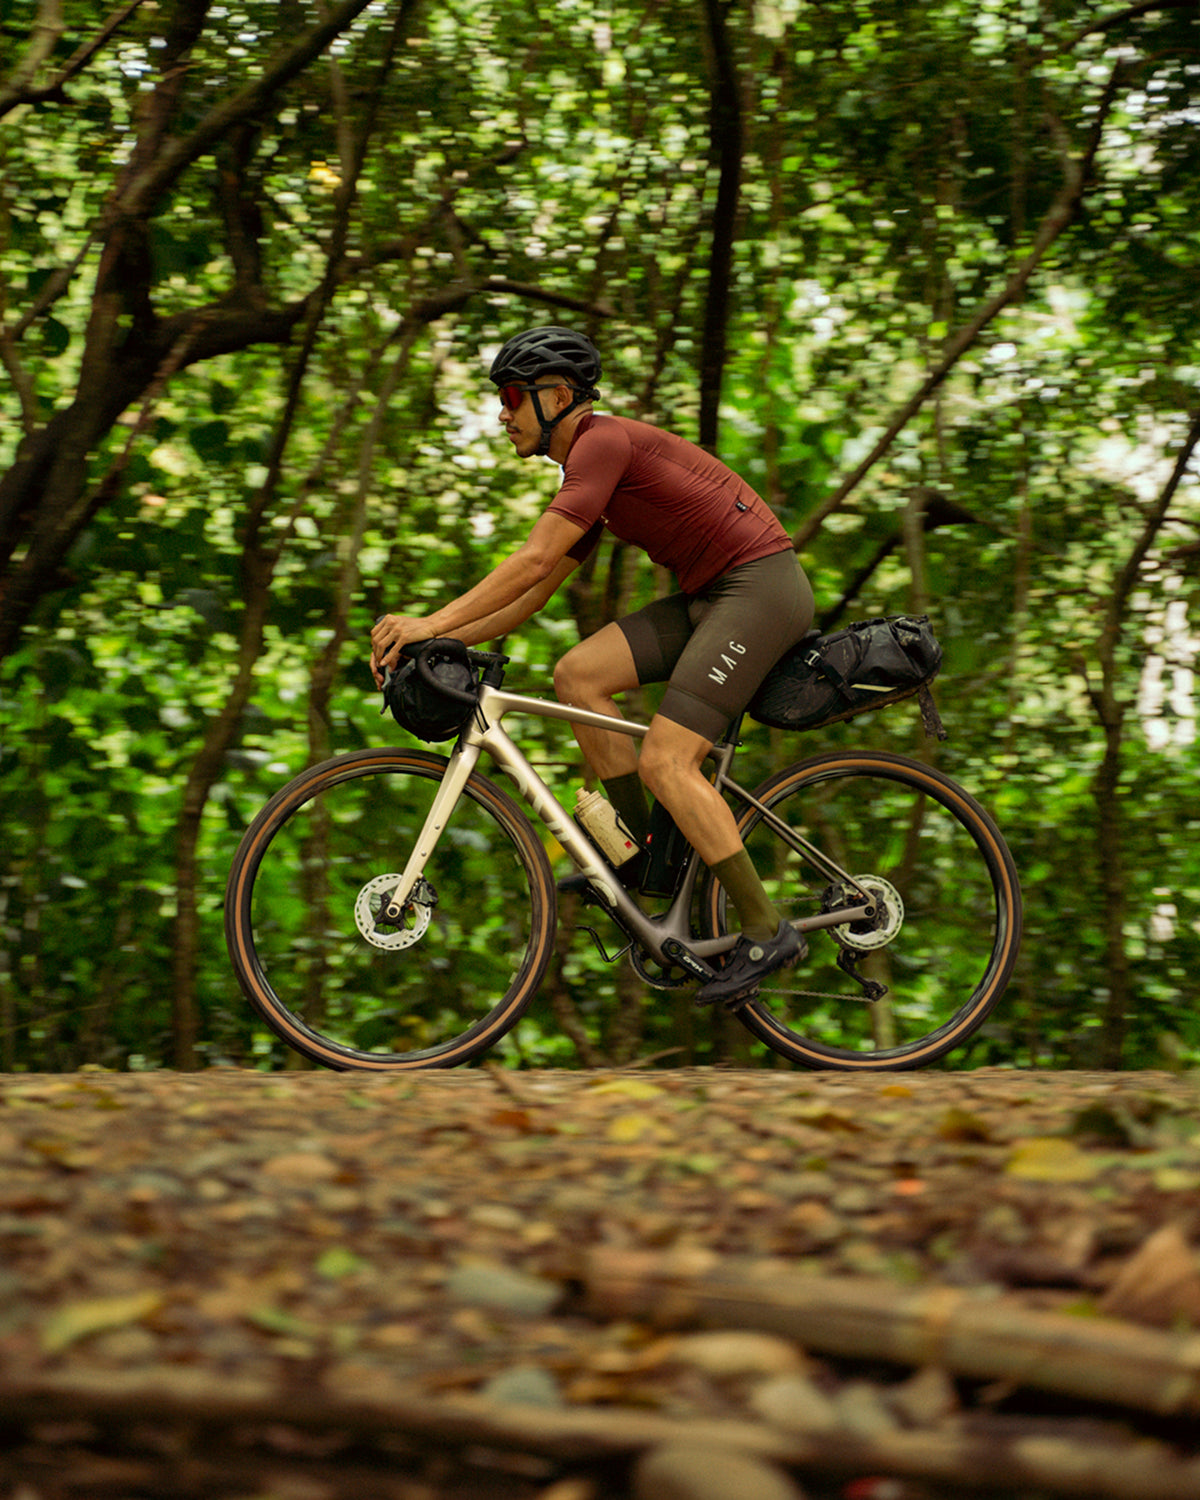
511	396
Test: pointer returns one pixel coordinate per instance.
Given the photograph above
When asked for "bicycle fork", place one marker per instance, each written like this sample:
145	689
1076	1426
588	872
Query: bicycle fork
450	789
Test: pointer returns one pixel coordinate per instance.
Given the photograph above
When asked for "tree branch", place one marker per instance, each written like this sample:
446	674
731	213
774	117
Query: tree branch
1127	578
148	186
22	382
43	39
1062	212
75	64
1131	13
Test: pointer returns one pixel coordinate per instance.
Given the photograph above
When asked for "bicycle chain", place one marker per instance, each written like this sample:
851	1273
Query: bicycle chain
815	995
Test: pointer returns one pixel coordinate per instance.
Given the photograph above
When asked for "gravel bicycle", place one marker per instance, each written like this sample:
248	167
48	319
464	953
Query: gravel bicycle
385	894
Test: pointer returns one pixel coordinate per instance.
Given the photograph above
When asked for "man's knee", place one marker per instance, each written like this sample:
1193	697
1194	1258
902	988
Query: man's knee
569	678
595	670
670	758
654	769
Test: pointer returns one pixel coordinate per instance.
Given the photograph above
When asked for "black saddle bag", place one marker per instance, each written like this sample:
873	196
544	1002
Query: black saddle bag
826	678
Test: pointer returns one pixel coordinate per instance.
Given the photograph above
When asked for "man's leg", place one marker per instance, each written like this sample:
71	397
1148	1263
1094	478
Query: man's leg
670	765
589	676
741	627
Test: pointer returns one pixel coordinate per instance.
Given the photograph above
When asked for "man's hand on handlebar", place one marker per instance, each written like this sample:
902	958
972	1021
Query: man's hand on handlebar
389	636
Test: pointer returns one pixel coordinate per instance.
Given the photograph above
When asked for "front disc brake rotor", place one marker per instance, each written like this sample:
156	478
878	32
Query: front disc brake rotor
414	919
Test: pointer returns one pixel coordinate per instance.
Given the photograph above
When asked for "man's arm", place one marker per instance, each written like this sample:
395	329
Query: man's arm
501	621
513	591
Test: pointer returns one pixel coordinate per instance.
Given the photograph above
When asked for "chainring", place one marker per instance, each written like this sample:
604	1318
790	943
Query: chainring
658	977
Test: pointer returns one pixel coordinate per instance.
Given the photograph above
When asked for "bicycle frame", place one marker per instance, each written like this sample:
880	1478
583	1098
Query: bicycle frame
667	936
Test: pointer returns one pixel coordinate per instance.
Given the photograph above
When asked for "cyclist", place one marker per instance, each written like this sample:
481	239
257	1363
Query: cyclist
743	600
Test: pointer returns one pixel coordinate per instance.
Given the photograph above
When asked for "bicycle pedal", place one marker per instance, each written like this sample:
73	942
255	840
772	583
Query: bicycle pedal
733	1004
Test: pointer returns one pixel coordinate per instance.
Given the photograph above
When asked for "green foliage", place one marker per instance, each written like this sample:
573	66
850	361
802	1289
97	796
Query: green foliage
556	162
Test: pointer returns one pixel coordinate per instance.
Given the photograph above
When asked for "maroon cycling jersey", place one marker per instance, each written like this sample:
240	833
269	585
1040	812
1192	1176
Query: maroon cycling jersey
678	503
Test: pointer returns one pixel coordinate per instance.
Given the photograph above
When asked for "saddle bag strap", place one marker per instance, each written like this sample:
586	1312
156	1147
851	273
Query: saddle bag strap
931	720
830	674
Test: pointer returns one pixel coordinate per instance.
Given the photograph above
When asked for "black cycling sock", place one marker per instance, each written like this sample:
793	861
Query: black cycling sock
628	796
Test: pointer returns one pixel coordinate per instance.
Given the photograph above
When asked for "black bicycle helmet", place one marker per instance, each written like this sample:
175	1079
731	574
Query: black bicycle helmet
545	351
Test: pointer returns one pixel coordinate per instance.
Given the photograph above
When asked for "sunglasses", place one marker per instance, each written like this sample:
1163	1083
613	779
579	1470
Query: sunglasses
511	396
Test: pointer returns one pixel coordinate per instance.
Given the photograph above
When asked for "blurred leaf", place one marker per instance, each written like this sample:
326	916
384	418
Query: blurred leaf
338	1262
211	440
79	1320
1052	1159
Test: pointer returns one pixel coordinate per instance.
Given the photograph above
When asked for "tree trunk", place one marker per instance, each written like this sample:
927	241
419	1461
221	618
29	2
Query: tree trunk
1106	788
727	144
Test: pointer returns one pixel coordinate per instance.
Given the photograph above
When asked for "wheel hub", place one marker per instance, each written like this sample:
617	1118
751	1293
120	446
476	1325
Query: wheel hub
413	921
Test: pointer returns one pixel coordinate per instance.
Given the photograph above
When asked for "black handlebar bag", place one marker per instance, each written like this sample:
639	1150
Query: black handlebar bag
418	703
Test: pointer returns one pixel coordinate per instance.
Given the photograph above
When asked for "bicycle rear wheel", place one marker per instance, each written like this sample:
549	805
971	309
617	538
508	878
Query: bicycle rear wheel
949	924
306	888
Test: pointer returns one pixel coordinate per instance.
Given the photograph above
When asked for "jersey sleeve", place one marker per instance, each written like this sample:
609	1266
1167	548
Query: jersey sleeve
594	468
587	543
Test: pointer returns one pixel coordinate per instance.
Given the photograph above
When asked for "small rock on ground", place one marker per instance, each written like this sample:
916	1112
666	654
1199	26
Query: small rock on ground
674	1472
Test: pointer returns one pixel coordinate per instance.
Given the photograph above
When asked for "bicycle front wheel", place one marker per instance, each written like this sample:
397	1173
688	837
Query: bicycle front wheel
945	936
303	903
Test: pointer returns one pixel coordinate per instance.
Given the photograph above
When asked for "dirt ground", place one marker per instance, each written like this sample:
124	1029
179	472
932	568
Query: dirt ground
572	1286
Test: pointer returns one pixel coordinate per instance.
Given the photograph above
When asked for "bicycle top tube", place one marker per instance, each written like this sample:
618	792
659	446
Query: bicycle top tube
500	701
495	703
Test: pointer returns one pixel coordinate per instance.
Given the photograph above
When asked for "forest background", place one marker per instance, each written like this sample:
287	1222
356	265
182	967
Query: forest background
927	274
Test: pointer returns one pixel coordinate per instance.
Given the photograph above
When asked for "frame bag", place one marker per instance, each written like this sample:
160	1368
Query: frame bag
826	678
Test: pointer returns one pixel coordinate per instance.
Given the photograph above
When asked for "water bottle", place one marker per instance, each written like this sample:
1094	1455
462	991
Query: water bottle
599	820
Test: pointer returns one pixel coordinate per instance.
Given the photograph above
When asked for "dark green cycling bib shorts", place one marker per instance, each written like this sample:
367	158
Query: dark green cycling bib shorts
714	648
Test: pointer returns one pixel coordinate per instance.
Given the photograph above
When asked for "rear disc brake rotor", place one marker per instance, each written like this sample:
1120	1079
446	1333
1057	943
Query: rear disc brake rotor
875	931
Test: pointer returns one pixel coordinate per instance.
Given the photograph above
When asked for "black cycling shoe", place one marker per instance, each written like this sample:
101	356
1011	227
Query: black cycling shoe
749	964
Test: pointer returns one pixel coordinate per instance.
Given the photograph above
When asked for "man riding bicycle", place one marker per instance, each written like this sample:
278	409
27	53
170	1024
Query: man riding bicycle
743	600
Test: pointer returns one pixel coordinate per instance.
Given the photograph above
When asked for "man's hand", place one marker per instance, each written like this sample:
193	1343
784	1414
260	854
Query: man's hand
391	633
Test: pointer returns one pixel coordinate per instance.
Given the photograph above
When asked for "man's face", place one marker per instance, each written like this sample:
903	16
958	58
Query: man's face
520	421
